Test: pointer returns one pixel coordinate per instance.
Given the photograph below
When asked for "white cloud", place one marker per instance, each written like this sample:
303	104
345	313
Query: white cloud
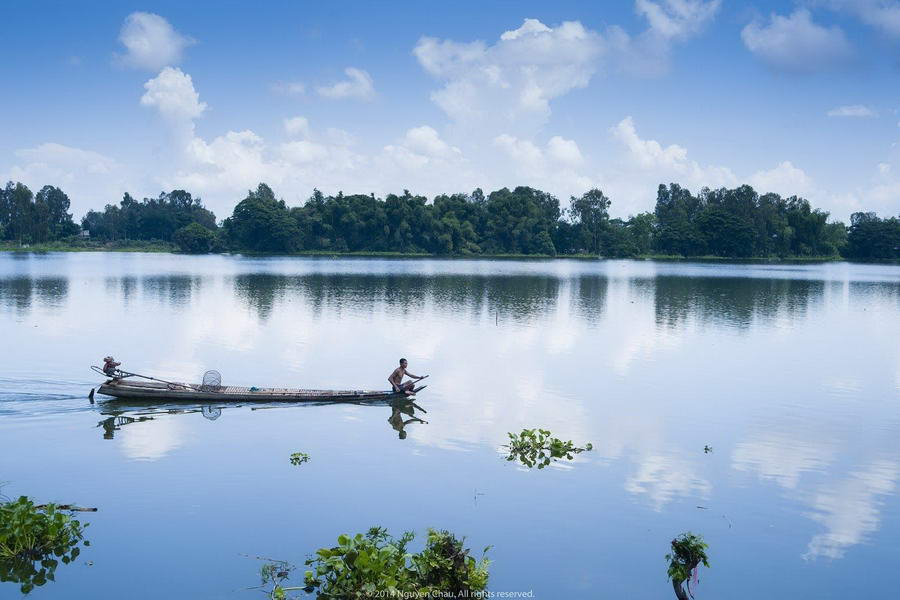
507	86
425	140
881	14
89	178
515	79
647	54
151	42
289	88
522	151
797	44
296	126
677	18
669	163
884	168
785	179
303	152
853	110
172	93
422	147
564	151
358	85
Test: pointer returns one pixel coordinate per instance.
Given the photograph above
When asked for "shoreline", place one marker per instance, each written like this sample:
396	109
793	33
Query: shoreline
162	248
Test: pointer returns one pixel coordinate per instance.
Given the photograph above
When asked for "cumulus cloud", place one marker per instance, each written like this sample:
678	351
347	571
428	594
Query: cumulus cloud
673	19
509	85
853	110
172	93
669	21
289	88
796	44
425	140
646	160
296	126
358	85
880	14
564	151
669	161
784	179
515	79
556	166
90	179
151	42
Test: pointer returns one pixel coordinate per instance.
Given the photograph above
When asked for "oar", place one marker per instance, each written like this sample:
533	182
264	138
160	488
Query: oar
129	374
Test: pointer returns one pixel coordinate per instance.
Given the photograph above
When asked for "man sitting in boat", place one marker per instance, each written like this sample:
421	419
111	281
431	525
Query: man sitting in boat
396	379
109	366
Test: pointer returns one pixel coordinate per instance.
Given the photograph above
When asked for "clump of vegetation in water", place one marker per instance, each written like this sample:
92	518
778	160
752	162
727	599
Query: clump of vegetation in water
361	565
33	540
273	574
298	458
688	553
536	447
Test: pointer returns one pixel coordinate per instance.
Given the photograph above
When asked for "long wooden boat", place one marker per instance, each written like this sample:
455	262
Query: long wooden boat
174	392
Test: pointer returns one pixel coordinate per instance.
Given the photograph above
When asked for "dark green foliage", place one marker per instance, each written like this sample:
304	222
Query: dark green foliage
536	447
31	541
361	565
688	552
261	223
33	219
727	223
871	237
195	239
298	458
151	219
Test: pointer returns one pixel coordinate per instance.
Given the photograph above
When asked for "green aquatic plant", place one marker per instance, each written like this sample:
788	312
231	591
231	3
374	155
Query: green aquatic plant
536	447
375	562
33	540
688	553
274	573
298	458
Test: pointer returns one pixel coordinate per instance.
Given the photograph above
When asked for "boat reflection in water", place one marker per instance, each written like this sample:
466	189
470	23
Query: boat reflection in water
120	414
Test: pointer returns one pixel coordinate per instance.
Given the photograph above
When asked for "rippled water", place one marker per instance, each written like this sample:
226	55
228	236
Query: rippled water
790	373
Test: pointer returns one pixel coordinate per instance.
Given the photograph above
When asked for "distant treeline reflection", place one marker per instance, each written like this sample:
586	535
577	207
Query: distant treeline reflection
732	223
735	301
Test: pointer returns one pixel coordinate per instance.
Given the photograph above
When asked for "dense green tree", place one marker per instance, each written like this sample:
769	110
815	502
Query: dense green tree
732	223
261	223
589	213
194	238
151	219
872	237
54	206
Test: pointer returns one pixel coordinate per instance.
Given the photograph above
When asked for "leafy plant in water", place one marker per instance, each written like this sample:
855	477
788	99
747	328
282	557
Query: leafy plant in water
688	553
32	539
362	565
298	458
536	447
274	573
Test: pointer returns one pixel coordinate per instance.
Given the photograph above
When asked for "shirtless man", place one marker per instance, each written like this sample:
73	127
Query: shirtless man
396	379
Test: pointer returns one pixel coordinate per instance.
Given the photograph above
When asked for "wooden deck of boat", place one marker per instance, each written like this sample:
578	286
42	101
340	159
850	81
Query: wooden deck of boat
131	390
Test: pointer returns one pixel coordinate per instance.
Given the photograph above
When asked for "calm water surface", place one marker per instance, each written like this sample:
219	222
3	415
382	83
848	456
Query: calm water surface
790	373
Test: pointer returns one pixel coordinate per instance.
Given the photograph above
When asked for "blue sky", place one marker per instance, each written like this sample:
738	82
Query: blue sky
797	97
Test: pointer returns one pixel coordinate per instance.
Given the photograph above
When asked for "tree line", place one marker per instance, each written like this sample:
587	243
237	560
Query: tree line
731	223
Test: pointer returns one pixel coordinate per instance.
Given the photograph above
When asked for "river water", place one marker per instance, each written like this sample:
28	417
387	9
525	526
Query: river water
789	373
